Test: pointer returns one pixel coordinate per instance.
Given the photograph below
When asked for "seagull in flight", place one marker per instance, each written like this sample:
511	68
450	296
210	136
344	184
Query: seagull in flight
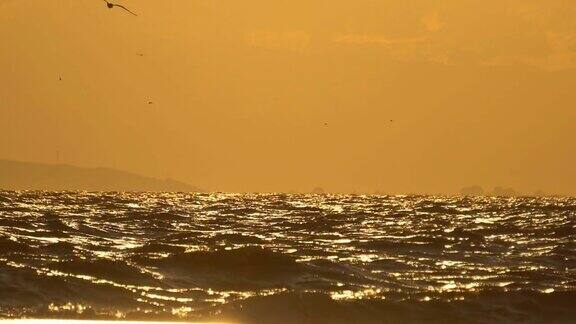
112	5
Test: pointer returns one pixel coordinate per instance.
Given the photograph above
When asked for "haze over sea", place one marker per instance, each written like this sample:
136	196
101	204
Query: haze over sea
297	258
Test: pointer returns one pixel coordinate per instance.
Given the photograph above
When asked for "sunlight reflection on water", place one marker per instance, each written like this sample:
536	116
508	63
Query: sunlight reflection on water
179	255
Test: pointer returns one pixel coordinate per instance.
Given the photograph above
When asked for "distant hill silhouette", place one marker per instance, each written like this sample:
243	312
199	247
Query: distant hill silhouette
35	176
318	191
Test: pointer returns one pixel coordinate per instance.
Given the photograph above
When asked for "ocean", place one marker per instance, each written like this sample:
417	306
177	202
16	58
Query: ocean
287	258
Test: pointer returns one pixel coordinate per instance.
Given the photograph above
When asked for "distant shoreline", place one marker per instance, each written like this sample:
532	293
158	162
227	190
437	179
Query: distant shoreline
16	175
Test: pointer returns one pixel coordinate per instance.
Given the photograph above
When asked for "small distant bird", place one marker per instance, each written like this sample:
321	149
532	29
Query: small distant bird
59	78
150	103
111	5
325	124
391	120
140	54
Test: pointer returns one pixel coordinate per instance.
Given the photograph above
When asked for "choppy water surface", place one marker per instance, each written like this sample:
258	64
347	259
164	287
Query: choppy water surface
291	258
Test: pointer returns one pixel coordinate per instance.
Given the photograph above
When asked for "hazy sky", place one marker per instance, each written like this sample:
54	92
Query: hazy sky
480	92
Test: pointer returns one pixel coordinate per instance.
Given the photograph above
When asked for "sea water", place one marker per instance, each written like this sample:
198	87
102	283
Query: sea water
287	258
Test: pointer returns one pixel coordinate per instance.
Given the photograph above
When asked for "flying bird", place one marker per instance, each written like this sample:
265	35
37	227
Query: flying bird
111	5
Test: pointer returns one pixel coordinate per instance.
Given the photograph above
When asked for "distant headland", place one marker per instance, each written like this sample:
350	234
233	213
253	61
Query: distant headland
15	175
475	191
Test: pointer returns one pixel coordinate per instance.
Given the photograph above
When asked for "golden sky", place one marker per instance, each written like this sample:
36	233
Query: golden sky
480	92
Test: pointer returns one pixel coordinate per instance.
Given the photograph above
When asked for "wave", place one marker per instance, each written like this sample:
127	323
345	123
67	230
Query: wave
287	258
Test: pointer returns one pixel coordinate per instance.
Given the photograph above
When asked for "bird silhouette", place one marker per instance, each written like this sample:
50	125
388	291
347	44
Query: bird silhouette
111	5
